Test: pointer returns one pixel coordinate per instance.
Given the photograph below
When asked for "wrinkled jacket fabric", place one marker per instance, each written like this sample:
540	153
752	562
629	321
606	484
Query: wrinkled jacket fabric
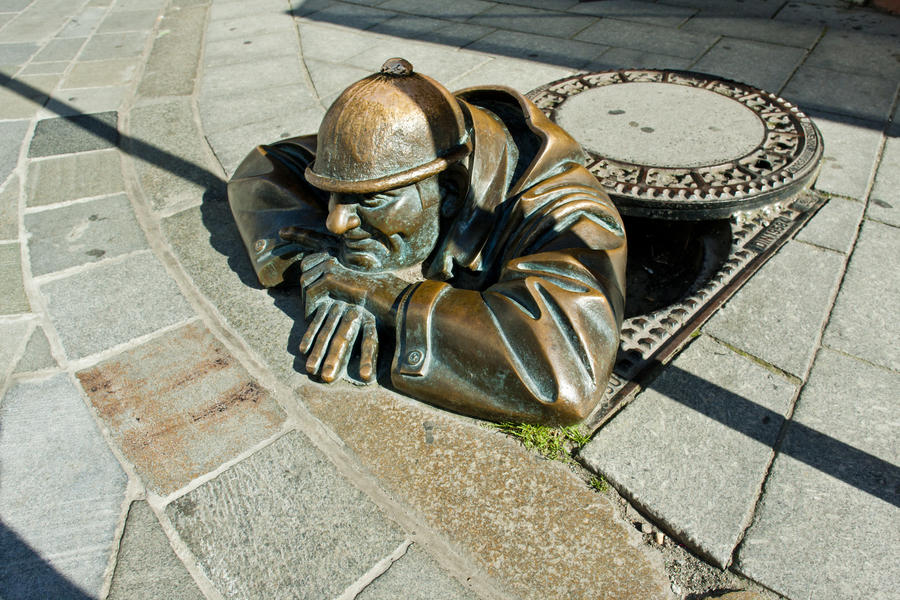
519	317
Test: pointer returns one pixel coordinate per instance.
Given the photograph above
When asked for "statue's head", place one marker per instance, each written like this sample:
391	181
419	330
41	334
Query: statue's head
383	148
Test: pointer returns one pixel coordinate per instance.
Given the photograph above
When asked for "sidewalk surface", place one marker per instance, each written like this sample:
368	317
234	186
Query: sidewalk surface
158	441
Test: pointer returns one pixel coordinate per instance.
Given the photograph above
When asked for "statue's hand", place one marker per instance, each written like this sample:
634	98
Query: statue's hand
331	336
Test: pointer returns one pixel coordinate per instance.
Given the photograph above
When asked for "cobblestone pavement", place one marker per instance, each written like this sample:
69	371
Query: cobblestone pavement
156	440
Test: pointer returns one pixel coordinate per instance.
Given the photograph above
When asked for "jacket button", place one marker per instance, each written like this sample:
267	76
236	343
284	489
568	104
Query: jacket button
414	357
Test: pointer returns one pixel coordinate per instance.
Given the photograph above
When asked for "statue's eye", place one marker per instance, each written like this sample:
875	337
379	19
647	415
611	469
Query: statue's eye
377	200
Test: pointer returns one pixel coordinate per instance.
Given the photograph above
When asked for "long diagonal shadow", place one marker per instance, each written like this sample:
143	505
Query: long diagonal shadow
833	457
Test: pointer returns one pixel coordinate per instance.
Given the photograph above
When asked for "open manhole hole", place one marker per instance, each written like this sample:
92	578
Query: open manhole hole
711	178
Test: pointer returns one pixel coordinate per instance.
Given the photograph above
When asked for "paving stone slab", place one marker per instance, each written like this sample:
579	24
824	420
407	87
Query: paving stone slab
857	52
18	53
254	75
664	15
834	226
172	65
692	450
83	23
766	66
864	320
9	209
14	5
647	38
415	577
41	19
317	41
225	113
856	95
61	493
440	62
37	355
329	78
80	101
828	524
81	233
283	519
409	26
521	75
134	296
13	333
128	20
46	68
778	315
459	34
459	10
237	50
79	133
114	45
626	58
101	73
529	20
884	202
146	566
20	102
85	174
352	15
539	48
179	406
851	149
12	294
12	134
738	25
60	49
249	26
840	17
761	9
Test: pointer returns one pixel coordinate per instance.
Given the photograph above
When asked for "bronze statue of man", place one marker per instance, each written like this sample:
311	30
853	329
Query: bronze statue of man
460	230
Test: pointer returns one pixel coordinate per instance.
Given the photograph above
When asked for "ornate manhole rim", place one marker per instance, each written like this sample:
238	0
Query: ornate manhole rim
781	166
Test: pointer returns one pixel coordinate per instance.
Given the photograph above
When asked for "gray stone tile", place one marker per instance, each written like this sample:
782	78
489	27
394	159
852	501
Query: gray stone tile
9	209
329	78
14	5
146	566
766	66
46	68
884	201
626	58
112	303
778	315
851	148
223	113
857	95
529	20
801	35
827	524
173	168
60	49
41	19
760	9
834	226
231	146
74	102
521	75
303	8
239	50
539	48
114	45
84	23
172	65
435	60
409	26
146	4
101	73
328	532
333	44
254	75
129	20
13	333
249	26
20	103
81	233
857	52
12	134
12	294
352	15
647	38
37	355
663	15
84	174
16	54
864	320
840	18
62	135
459	10
222	11
706	427
459	34
61	493
415	577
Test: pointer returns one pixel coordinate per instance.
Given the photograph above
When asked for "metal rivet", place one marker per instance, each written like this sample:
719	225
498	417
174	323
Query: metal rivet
260	245
414	357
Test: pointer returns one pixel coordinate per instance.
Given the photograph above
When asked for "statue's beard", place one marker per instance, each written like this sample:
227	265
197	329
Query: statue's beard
376	253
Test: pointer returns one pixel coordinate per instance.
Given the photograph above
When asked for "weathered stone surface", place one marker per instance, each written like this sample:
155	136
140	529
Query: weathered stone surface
641	12
41	19
60	49
626	58
61	492
37	355
352	15
12	293
11	135
99	73
235	50
855	52
134	296
84	22
329	78
146	566
521	75
316	41
851	147
864	320
16	54
415	577
856	95
437	9
766	66
248	26
283	519
692	450
180	405
9	209
62	135
128	20
172	64
46	68
539	48
255	107
13	333
82	175
828	523
529	20
74	102
762	29
884	201
647	38
114	45
834	226
81	233
231	146
838	16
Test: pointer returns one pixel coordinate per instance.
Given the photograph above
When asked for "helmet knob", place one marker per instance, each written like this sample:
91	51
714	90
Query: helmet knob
397	67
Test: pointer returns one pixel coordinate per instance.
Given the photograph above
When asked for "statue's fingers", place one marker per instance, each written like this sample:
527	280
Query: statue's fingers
311	260
341	345
315	356
368	357
313	328
312	274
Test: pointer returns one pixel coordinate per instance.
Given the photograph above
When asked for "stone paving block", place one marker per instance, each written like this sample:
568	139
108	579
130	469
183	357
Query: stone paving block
529	20
14	5
172	166
760	9
221	11
834	226
253	75
41	19
85	174
692	450
16	54
329	78
60	49
415	577
13	333
74	102
857	52
626	58
539	48
521	75
223	113
129	20
238	50
851	148
61	493
12	133
12	294
663	15
46	68
9	209
459	10
317	41
740	25
647	38
249	26
884	201
303	8
409	26
864	320
283	519
766	66
857	95
100	73
179	406
20	102
352	15
778	315
459	34
840	17
6	18
37	355
435	60
172	65
114	45
84	23
135	296
81	233
146	567
62	135
828	524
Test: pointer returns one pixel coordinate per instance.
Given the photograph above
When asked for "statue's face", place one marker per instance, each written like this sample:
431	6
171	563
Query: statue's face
387	230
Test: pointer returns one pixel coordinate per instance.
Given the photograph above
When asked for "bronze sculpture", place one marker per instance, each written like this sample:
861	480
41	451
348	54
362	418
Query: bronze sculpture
460	230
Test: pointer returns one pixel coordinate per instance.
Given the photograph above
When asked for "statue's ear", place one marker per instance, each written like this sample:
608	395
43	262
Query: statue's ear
454	185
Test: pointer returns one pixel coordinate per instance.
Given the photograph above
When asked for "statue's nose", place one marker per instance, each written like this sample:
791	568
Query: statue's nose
341	218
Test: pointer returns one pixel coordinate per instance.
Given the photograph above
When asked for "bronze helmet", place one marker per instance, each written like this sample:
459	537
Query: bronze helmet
391	129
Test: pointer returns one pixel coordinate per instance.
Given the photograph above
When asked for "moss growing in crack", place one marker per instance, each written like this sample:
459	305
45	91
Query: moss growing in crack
598	483
554	443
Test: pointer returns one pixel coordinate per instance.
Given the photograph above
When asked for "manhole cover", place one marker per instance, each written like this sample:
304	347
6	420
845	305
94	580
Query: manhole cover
683	145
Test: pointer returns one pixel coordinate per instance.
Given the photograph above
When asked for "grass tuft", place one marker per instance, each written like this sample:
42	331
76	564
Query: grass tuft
554	443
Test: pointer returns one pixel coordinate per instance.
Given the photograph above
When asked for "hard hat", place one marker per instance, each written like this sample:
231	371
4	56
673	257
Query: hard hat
391	129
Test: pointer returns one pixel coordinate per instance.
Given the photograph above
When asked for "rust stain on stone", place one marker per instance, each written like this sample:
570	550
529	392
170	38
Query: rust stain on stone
245	392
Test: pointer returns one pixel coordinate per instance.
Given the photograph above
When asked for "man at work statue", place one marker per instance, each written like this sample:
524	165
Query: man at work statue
461	231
